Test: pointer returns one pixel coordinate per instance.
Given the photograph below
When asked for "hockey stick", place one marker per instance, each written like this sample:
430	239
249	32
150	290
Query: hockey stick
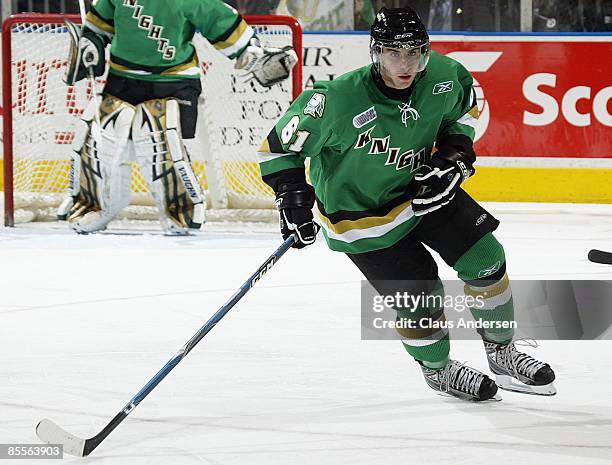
90	73
599	256
51	433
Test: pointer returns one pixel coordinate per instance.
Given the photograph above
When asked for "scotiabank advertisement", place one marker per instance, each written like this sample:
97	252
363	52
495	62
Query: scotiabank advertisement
540	99
538	96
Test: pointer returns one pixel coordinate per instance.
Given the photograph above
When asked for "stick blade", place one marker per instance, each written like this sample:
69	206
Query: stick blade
599	256
49	432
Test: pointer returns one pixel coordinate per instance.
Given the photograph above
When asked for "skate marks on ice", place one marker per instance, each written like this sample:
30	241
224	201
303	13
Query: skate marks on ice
330	411
275	384
568	433
425	429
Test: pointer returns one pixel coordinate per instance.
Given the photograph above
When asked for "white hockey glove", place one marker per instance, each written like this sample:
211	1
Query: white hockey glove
439	179
86	53
267	65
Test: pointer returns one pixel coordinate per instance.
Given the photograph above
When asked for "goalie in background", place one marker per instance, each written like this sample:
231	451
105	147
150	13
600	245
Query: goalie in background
149	103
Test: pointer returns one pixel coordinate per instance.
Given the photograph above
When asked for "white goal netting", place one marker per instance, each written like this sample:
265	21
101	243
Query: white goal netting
234	118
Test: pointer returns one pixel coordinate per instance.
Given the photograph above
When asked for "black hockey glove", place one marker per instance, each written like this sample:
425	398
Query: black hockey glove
439	179
294	203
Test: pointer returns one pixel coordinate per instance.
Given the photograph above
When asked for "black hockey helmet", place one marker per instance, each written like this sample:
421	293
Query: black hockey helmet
399	28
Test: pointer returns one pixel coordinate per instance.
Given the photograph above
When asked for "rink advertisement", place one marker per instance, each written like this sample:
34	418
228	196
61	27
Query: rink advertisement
538	97
545	109
422	311
544	101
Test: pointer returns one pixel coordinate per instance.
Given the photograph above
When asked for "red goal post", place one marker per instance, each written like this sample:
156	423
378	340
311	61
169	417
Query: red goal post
39	111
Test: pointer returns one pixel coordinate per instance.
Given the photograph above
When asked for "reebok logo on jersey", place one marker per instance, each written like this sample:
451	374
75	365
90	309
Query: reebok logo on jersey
480	219
364	117
442	87
315	106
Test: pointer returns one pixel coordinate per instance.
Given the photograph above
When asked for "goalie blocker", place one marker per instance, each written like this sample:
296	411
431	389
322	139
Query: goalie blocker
149	132
86	53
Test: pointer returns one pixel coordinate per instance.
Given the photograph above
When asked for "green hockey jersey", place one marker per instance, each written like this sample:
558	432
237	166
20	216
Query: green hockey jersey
151	39
364	148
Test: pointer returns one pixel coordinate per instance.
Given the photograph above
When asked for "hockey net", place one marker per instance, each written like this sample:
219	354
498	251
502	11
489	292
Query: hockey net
41	115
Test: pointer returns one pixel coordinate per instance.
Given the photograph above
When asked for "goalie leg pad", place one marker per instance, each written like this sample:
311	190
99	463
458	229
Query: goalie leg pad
100	169
166	166
82	134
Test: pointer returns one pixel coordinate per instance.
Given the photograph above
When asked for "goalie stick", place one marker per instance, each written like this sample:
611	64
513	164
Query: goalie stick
51	433
599	256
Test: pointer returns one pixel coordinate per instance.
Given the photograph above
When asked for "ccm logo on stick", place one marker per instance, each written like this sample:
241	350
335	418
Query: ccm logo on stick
569	103
263	270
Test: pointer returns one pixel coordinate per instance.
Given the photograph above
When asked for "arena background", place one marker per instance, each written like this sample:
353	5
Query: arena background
543	77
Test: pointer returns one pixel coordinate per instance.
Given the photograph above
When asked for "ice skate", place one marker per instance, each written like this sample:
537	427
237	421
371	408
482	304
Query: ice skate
519	372
91	222
459	380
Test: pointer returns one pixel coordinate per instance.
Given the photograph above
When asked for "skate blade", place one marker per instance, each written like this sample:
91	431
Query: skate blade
508	383
496	398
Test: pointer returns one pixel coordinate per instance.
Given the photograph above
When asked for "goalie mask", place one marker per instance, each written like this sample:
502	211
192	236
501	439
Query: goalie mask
399	42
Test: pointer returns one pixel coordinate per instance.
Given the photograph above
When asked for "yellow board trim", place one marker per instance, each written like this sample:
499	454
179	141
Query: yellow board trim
565	185
494	184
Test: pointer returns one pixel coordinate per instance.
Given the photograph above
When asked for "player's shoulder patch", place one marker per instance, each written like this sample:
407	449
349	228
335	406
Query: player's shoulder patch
315	106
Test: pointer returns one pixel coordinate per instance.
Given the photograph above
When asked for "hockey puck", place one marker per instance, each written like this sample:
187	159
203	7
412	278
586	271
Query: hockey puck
599	256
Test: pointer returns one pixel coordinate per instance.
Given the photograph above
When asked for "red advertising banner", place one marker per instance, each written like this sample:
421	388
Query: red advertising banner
540	97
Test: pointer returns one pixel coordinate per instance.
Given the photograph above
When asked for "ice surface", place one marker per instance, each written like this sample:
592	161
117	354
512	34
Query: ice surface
284	378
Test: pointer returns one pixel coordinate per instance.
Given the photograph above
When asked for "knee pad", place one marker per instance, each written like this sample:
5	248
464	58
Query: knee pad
100	172
165	165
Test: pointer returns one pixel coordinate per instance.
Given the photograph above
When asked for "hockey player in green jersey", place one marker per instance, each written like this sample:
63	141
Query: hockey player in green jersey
389	146
149	103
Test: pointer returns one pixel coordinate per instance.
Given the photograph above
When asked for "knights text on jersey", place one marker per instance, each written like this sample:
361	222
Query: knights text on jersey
364	148
151	39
